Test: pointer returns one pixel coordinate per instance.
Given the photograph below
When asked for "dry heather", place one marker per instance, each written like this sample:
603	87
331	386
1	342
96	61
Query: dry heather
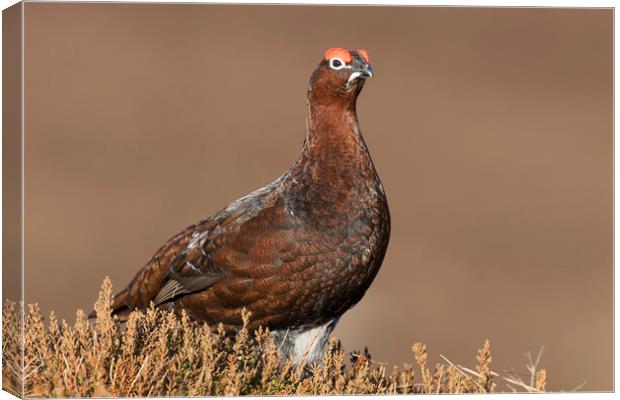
158	353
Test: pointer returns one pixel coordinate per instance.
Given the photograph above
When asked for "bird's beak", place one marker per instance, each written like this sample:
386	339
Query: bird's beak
361	70
367	70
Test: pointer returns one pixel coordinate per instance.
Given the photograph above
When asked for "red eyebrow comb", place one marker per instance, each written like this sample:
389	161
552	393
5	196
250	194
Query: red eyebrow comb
343	54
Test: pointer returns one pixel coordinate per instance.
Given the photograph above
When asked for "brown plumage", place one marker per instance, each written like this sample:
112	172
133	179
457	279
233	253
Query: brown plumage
297	253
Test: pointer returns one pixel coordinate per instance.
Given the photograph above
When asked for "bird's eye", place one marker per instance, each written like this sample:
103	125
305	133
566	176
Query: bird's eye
336	63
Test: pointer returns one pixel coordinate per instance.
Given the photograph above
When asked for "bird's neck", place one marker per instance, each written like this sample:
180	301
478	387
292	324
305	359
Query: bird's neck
334	177
334	156
333	138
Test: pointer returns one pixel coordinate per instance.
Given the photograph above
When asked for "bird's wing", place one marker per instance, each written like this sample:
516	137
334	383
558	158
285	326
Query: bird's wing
183	265
148	281
189	272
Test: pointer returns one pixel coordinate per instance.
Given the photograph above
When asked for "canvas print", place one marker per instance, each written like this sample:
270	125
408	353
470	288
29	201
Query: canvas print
228	199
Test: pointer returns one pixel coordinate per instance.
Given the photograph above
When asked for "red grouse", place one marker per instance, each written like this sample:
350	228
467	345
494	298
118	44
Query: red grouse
297	253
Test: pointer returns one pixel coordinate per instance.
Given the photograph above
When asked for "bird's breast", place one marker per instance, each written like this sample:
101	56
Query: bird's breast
347	227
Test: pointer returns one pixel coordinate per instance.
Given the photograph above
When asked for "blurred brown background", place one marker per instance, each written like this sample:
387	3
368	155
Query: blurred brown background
491	130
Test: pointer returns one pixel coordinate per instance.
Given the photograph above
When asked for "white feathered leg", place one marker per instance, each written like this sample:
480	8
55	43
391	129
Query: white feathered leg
307	344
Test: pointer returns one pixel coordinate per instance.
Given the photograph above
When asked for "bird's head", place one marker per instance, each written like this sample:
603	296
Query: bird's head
340	75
